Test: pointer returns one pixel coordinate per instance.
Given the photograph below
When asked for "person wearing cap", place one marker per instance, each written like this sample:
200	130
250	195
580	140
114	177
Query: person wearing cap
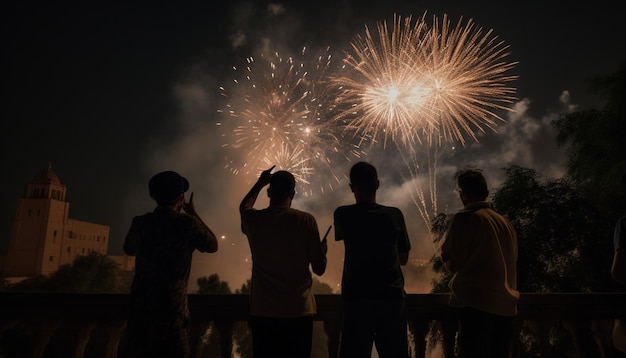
284	243
163	242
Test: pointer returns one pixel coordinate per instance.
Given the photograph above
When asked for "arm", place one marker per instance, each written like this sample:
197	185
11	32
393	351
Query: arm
404	246
404	257
211	243
454	249
319	262
618	268
250	198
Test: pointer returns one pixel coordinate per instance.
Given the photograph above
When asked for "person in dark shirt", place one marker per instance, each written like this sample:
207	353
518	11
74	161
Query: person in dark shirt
163	242
372	286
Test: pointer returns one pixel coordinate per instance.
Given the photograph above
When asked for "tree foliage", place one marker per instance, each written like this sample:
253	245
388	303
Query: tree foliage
596	142
88	273
559	249
213	285
439	226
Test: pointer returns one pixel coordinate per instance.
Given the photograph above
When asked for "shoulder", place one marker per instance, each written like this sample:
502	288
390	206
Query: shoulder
394	210
463	217
139	219
391	211
474	210
301	213
249	212
344	210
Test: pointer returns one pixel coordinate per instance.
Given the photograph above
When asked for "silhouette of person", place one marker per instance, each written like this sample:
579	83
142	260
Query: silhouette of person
163	242
372	287
618	272
285	246
480	249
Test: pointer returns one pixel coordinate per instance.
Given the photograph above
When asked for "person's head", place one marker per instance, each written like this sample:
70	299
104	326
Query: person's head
167	188
282	186
364	178
472	185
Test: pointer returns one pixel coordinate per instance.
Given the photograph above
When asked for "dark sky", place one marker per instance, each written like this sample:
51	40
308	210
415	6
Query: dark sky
112	93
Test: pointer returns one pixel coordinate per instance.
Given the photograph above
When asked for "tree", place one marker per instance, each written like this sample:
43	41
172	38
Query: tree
213	285
558	247
595	142
439	226
88	273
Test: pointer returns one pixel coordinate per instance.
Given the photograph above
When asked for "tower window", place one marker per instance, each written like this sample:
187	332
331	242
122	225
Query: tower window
51	258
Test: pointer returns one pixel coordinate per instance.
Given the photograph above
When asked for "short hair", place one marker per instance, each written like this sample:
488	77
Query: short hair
282	184
364	177
473	183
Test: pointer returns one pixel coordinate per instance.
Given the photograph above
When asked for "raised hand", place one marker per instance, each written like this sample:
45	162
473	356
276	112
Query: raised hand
188	206
265	176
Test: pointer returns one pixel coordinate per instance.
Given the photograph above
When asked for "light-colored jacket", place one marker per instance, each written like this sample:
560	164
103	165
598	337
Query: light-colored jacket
480	248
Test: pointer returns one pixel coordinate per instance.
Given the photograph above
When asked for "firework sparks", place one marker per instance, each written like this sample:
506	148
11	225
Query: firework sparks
413	81
466	70
277	107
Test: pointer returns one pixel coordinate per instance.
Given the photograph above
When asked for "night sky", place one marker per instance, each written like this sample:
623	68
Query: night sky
113	93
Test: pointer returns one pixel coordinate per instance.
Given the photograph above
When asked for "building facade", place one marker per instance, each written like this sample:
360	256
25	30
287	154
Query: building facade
43	236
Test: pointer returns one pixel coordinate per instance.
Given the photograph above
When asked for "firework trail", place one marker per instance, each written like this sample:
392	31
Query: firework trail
424	86
413	81
276	109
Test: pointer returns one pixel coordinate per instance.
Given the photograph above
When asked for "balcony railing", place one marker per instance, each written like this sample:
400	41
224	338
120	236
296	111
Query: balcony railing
92	325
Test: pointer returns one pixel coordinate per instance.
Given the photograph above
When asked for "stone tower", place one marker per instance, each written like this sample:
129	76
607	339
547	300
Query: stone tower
43	237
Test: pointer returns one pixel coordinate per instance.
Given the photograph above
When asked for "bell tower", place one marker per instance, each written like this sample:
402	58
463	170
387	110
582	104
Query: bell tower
38	227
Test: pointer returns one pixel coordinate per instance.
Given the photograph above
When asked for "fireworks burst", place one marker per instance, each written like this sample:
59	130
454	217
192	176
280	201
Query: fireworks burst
413	81
276	110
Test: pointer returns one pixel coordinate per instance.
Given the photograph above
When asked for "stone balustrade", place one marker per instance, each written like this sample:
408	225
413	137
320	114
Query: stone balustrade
92	325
